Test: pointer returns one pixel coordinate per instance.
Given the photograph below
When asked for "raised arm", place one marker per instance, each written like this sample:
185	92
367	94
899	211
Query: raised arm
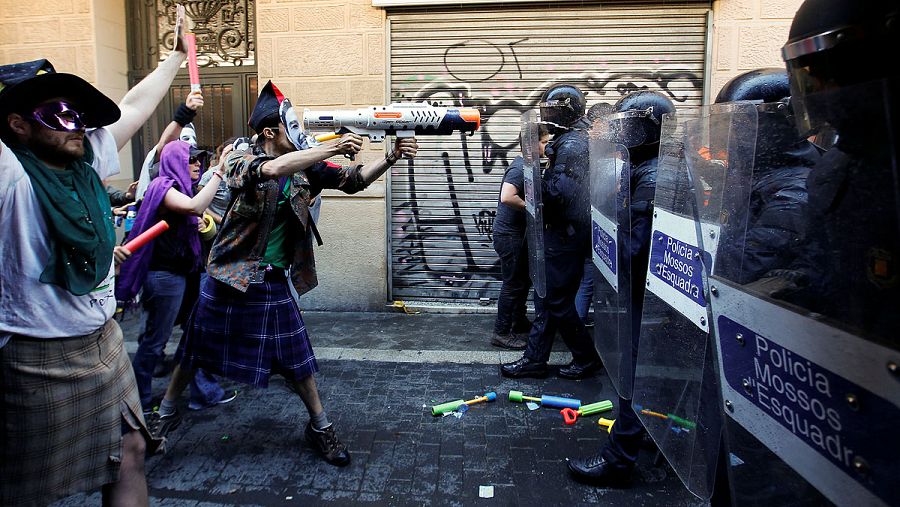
183	115
297	161
180	203
140	101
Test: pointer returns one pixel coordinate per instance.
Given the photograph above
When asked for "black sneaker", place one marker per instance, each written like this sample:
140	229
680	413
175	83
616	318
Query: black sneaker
326	443
160	425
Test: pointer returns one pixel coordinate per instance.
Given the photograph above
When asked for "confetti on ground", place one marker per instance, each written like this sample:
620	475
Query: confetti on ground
485	491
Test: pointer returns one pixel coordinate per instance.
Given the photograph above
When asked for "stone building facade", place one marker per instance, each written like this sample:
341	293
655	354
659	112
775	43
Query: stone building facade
334	54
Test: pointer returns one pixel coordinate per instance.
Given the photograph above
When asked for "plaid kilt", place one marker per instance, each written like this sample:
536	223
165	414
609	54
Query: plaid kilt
248	336
63	409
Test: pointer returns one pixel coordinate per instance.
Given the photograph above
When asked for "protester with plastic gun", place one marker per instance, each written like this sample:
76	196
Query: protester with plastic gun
71	419
247	325
512	326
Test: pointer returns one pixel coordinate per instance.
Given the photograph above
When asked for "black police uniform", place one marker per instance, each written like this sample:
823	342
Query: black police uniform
566	243
621	451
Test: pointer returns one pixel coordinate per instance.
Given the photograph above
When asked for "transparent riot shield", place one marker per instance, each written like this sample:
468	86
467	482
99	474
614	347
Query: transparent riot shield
610	243
534	229
805	294
675	389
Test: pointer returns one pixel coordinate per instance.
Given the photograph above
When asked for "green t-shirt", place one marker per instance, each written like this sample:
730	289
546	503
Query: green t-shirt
278	248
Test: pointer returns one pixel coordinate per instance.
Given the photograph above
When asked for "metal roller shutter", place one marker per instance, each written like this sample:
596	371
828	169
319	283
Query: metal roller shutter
500	60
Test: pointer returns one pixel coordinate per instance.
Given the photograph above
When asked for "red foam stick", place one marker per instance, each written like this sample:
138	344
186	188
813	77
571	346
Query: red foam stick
193	71
147	236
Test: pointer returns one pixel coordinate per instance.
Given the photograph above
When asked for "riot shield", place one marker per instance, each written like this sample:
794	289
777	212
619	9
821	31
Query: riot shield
805	300
610	243
534	208
675	390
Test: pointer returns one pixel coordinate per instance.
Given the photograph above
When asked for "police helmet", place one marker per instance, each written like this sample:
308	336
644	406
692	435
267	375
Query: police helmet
637	119
761	85
834	44
599	110
562	105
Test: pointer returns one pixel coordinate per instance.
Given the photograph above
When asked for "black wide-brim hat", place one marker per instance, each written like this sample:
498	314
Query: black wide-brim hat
27	84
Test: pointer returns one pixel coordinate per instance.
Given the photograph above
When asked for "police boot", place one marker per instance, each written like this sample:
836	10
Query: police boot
595	470
524	368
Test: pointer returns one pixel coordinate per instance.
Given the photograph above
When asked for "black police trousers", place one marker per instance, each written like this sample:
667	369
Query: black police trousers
556	311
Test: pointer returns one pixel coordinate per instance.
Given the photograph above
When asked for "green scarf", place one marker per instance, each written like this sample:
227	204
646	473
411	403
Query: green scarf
80	226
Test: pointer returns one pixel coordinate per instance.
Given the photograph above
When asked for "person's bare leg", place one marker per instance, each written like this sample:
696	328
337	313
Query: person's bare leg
131	489
309	393
181	377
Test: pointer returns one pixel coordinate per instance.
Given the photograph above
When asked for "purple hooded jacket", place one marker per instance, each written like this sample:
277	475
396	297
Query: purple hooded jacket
173	173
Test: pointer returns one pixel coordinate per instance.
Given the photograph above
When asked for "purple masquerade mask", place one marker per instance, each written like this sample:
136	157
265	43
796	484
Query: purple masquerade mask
58	116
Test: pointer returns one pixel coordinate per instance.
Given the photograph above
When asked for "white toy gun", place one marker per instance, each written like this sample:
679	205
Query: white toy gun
401	119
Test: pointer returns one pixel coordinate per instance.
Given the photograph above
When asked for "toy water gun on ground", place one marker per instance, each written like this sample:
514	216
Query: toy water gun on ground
570	415
607	423
684	423
452	406
546	400
401	119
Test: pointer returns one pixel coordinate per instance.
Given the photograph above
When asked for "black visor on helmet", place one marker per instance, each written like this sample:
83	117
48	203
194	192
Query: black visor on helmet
633	128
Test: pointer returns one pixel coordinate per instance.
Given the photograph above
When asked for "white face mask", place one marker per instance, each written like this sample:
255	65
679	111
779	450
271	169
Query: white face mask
294	128
189	135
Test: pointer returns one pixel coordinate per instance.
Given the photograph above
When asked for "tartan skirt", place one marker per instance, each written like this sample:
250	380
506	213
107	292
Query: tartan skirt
64	406
248	336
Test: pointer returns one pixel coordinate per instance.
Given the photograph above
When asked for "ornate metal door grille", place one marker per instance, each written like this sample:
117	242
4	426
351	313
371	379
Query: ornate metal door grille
226	52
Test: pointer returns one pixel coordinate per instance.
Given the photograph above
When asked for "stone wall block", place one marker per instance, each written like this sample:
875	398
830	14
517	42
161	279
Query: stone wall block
79	29
87	65
760	46
725	48
310	56
273	20
319	94
264	53
62	57
324	17
81	6
47	30
365	16
779	9
367	92
735	9
375	56
9	33
46	7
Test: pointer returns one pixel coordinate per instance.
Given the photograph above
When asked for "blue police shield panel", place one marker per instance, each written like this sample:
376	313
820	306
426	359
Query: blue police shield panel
534	229
675	387
610	241
805	294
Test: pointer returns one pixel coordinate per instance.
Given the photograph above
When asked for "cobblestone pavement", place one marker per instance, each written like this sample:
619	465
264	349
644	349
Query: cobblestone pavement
252	451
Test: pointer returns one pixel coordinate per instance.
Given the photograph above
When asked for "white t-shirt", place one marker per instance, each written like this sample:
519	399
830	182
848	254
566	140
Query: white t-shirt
27	306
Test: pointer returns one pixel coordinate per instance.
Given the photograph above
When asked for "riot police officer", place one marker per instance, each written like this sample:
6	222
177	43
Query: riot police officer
636	124
764	236
566	241
847	86
842	288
